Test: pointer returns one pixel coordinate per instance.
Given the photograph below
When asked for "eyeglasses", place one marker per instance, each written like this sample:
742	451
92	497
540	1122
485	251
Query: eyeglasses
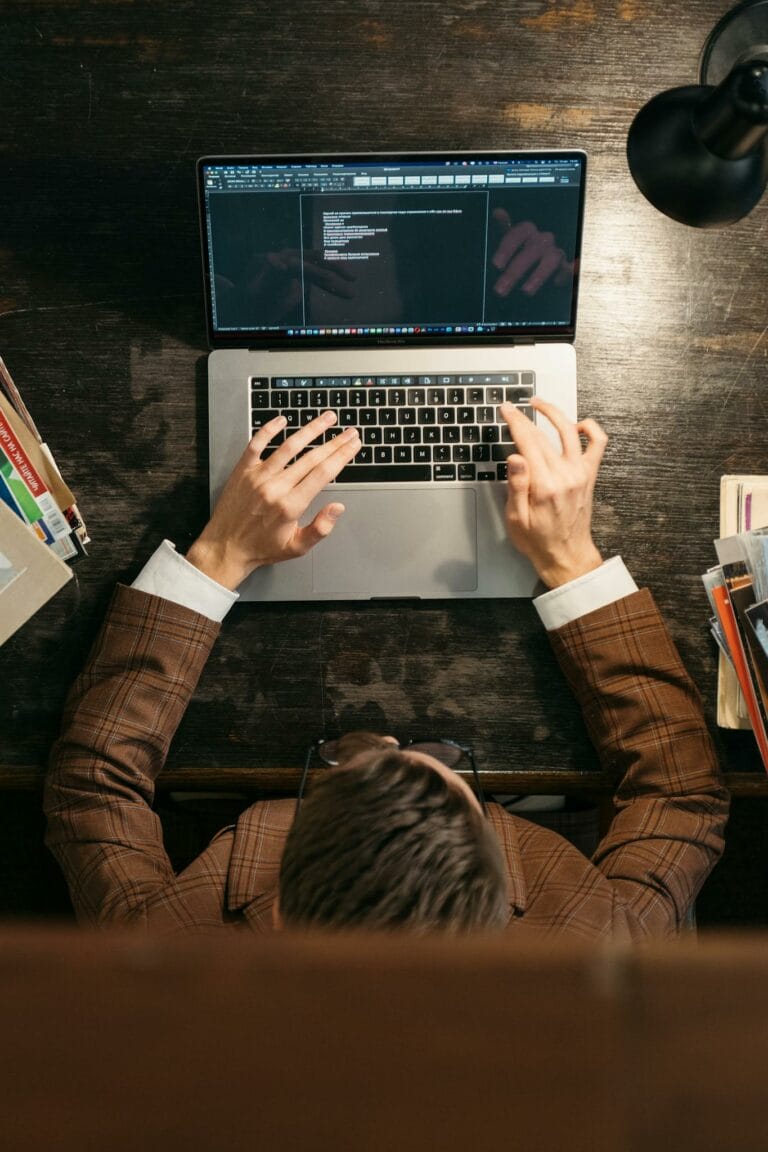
458	757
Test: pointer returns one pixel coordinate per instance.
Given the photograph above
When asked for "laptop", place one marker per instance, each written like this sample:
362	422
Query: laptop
411	294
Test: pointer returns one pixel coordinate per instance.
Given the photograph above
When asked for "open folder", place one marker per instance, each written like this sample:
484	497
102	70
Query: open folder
30	573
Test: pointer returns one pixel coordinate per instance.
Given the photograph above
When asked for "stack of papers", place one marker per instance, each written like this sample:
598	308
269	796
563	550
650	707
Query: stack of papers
41	530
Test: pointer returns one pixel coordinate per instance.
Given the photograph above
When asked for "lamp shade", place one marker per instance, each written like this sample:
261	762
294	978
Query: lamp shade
700	153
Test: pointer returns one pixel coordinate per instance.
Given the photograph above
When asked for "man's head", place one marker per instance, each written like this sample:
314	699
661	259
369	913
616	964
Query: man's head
392	839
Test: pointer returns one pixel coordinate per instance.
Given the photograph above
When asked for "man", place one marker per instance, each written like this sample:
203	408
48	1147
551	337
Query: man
389	838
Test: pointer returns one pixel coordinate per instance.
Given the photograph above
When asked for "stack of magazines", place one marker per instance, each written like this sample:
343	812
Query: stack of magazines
42	533
737	588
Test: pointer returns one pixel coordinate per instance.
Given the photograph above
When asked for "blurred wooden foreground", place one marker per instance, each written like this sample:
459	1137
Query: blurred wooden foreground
115	1041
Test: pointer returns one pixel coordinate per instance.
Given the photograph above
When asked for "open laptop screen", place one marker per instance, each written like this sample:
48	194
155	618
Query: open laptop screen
430	248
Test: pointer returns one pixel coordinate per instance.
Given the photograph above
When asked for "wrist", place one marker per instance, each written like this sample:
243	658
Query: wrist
218	563
556	571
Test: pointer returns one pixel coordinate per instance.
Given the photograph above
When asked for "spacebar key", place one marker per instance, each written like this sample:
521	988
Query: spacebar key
384	473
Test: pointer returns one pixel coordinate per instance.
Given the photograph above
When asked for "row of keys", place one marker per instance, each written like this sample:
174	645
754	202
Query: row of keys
384	417
381	397
426	453
350	417
413	434
526	379
408	473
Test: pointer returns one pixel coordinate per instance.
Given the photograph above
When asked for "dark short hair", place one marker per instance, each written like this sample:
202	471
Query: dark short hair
387	842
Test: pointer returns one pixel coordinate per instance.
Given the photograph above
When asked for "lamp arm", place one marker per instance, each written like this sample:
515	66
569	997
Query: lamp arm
732	120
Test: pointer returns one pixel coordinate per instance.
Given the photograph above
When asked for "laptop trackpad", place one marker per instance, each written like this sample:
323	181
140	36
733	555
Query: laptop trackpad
399	542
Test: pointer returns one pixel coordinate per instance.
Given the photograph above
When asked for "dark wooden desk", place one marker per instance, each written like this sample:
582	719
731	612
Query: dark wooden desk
105	107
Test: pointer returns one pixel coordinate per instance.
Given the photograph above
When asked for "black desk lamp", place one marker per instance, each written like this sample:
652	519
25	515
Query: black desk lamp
700	153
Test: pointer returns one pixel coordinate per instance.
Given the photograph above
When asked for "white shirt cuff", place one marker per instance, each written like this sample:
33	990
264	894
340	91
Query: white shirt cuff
611	581
171	576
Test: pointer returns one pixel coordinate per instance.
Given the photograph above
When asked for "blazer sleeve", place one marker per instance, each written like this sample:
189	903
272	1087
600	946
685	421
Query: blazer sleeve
119	719
645	718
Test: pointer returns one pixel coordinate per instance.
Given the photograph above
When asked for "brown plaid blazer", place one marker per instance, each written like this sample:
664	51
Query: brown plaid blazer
642	711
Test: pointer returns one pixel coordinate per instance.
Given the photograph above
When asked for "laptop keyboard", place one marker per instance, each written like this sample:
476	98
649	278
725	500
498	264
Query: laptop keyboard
412	428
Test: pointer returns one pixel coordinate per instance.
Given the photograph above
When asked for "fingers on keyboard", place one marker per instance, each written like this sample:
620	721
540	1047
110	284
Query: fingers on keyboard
412	427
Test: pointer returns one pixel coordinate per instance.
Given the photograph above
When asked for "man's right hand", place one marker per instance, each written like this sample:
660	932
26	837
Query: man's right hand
549	498
256	520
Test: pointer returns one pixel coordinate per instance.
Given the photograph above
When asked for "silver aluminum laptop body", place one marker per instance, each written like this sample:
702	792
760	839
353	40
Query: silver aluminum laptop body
319	253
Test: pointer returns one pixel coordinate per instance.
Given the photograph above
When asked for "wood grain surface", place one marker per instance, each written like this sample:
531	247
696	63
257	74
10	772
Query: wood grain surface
106	105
